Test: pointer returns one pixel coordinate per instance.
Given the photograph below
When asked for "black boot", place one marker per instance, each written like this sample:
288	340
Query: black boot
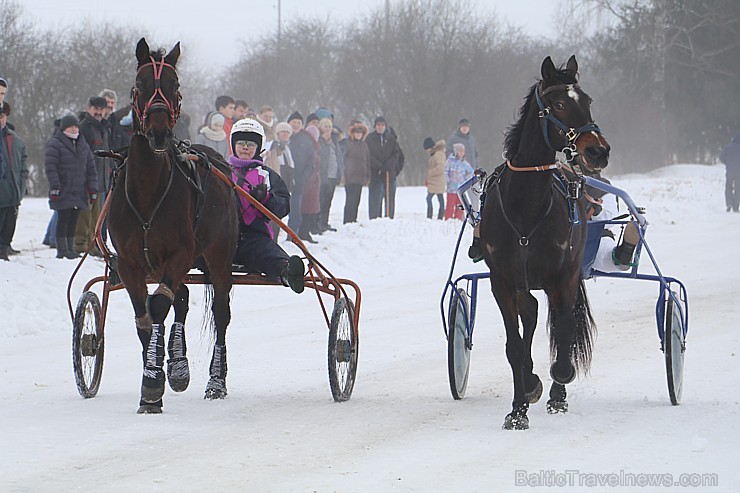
293	274
622	254
475	252
69	252
4	253
61	247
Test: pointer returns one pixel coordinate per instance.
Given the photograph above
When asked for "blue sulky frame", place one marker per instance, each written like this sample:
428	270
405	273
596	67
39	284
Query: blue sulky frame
671	309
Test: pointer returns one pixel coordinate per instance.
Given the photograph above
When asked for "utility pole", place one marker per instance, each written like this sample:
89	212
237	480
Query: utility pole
280	22
387	16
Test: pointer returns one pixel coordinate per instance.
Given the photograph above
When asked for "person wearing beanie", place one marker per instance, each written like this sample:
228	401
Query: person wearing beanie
322	113
457	172
212	134
386	162
256	250
436	181
463	136
332	164
294	116
304	154
312	120
73	180
356	169
311	198
281	150
13	177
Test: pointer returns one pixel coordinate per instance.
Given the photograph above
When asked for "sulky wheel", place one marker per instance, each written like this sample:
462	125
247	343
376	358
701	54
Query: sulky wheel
343	350
673	348
458	346
88	345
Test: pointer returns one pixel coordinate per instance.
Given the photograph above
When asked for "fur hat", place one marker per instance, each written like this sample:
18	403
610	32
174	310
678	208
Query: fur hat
295	116
283	127
98	102
428	143
67	121
356	125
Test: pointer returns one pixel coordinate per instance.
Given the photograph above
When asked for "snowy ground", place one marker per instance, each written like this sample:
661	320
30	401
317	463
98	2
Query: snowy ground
279	429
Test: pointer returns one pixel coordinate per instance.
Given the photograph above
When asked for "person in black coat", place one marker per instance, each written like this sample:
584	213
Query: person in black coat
386	162
73	180
730	156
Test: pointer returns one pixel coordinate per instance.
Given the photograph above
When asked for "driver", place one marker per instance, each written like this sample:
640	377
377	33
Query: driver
257	250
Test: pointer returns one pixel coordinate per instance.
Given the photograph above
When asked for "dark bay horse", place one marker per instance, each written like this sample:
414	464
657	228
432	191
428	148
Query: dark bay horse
163	215
533	232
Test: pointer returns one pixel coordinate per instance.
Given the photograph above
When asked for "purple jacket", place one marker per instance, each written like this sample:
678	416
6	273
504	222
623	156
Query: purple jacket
248	173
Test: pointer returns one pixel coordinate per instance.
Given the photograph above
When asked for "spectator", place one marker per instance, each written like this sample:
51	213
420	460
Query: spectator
356	169
730	156
436	182
457	172
303	153
213	135
122	128
13	176
322	113
266	118
225	105
240	110
332	163
310	200
281	149
95	133
110	99
73	180
312	120
3	89
463	136
385	164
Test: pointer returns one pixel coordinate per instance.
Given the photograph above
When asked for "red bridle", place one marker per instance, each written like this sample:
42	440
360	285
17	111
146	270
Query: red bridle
158	98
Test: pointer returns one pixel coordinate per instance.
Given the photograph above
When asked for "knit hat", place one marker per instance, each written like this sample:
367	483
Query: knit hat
216	117
67	121
313	131
324	113
295	116
312	117
283	127
458	145
98	102
428	143
462	122
379	119
5	108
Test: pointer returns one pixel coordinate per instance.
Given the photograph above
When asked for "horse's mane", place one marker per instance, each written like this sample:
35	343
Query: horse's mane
156	54
514	133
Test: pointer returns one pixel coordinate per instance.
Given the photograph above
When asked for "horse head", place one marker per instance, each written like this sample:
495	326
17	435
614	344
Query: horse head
156	95
563	104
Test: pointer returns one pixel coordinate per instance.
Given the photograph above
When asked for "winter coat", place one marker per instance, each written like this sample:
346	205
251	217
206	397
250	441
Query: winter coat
356	158
471	148
457	172
96	136
332	159
208	137
304	156
385	156
730	155
310	202
70	167
277	200
436	180
13	184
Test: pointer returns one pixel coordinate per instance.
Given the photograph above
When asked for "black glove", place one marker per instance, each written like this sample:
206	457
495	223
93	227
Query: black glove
92	197
593	209
54	193
259	192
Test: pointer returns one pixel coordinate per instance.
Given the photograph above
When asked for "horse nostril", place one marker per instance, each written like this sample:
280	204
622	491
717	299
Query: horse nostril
595	153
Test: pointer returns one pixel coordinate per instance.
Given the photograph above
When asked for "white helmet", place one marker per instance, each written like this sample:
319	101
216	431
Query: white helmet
247	129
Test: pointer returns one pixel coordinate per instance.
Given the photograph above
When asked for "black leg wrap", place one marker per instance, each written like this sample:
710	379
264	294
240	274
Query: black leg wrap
216	387
178	370
152	383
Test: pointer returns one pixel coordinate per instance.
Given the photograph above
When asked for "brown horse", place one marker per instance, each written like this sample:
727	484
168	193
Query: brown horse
533	233
164	214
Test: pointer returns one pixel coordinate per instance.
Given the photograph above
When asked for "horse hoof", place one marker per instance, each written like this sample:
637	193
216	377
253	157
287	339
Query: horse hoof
216	389
557	407
561	375
178	374
151	395
149	409
534	395
516	422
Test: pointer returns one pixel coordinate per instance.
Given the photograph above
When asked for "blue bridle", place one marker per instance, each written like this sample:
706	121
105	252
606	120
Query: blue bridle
569	133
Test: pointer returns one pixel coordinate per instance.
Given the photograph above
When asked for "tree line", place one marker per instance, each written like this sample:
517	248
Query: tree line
664	74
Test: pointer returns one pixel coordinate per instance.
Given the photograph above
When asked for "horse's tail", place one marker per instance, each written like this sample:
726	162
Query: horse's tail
209	326
585	334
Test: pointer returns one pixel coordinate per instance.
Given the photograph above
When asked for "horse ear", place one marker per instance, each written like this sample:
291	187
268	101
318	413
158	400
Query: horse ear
173	55
548	69
142	51
572	65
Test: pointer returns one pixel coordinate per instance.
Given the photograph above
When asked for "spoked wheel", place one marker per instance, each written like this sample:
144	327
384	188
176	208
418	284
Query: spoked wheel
343	350
88	345
674	347
458	351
